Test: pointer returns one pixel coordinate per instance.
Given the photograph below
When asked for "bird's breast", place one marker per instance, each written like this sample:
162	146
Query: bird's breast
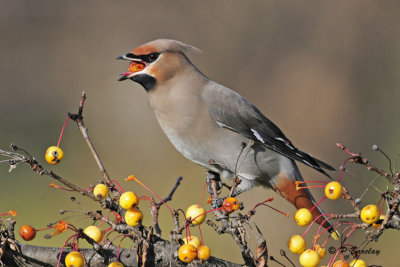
189	128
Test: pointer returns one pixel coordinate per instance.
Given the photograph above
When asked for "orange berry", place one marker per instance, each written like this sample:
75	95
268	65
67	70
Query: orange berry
333	190
378	223
54	155
370	214
321	251
303	217
27	232
74	259
12	213
196	213
341	263
230	204
60	227
135	66
187	253
203	253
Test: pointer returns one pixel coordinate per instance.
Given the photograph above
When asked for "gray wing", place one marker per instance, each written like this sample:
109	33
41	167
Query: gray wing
239	115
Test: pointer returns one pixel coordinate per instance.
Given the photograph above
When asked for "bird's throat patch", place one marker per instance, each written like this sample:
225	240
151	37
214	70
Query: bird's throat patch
147	81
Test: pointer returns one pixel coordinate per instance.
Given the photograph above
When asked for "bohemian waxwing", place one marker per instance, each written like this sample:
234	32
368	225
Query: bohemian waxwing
216	127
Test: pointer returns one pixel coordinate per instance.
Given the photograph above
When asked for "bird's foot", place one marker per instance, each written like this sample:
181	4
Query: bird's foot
213	182
216	203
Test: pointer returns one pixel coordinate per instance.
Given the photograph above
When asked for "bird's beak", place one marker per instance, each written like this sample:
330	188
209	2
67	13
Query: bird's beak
135	65
125	57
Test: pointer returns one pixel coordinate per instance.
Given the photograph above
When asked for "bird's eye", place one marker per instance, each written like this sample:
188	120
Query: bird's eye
153	56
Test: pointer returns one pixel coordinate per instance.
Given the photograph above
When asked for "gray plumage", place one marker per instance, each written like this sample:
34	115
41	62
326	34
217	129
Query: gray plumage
216	127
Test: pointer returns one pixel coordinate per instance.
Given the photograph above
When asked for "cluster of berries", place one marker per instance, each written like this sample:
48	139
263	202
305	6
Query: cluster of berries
75	258
311	257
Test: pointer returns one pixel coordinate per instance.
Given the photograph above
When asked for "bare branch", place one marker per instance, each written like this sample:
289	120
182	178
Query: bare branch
79	120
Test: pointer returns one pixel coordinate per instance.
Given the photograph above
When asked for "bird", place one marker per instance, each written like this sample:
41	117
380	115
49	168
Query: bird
217	128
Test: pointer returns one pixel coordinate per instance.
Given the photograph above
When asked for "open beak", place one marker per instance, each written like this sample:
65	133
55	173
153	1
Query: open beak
135	66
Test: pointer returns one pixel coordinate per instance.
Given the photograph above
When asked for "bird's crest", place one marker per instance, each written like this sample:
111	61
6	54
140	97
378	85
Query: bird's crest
164	45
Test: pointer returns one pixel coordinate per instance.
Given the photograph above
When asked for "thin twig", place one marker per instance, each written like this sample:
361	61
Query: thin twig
79	120
40	170
155	207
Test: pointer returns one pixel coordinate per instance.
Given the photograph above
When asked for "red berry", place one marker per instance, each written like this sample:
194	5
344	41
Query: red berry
230	204
27	232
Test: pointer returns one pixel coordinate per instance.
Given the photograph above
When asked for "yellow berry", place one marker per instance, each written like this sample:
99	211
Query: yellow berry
340	263
309	258
196	213
128	200
297	244
193	240
187	253
115	264
333	190
321	251
203	253
100	191
74	259
370	214
358	263
303	217
94	233
133	217
54	155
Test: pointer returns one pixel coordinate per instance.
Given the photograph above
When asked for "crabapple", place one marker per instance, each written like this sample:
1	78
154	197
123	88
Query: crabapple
333	190
133	217
100	191
309	258
297	244
187	253
74	259
370	214
27	232
192	240
94	233
128	200
303	217
54	155
196	213
203	253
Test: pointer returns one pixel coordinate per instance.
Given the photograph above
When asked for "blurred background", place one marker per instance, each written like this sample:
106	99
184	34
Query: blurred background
324	71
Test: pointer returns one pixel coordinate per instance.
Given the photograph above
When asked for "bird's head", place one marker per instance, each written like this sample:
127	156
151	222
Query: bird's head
156	62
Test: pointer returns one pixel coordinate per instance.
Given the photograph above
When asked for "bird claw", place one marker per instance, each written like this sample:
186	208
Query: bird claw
216	203
213	178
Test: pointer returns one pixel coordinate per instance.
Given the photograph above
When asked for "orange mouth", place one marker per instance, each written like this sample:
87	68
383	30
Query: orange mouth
136	66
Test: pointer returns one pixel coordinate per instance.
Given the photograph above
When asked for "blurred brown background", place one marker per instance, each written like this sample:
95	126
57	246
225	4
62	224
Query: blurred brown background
324	71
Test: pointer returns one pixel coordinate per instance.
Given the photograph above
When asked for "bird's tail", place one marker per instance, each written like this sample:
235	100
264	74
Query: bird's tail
302	198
